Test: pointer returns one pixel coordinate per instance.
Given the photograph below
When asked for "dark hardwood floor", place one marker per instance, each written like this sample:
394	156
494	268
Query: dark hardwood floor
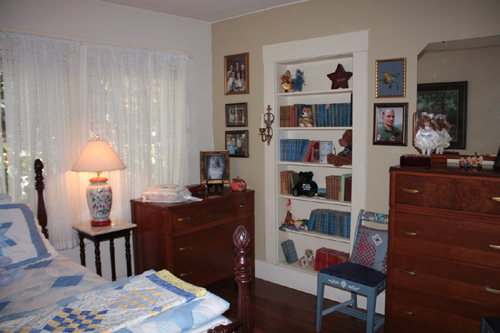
279	309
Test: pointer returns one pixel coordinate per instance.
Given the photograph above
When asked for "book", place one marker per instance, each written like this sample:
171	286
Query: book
289	251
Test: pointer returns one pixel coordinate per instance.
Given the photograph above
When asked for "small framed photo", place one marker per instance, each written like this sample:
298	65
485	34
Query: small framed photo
214	166
390	123
237	80
390	78
236	115
237	143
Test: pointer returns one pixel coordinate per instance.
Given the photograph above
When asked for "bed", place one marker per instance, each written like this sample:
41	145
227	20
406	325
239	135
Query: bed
55	294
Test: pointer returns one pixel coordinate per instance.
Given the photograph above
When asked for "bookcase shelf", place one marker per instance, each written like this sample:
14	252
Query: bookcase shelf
336	128
321	201
315	164
318	92
320	235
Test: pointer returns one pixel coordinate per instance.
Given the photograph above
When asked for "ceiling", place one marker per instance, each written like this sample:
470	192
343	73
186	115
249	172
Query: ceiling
206	10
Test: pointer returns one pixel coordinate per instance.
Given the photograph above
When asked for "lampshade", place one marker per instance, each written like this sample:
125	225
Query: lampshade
98	156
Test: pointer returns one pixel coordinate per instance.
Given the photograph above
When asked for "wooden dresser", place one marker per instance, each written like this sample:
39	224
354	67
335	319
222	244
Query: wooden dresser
192	240
444	249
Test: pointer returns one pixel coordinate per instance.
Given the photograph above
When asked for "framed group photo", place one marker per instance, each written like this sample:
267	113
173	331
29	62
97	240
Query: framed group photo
237	143
390	78
390	123
236	78
214	166
236	115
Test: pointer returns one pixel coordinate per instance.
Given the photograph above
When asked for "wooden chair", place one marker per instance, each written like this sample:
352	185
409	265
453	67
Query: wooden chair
364	274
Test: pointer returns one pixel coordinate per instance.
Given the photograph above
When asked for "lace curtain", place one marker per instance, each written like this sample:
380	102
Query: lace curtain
60	93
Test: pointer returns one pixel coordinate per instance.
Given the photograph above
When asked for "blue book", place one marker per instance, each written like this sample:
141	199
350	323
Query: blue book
289	251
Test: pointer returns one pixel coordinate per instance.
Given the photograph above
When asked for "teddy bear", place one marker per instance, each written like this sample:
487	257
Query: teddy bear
6	276
345	156
298	82
286	82
306	118
309	257
305	185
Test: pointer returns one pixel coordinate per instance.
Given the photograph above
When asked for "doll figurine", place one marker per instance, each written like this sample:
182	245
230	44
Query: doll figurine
289	218
426	138
443	127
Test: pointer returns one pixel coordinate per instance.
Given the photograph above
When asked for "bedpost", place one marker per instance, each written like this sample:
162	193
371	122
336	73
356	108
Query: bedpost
243	276
40	186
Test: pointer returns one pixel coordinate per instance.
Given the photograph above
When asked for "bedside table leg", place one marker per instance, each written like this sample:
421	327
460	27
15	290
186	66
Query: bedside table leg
82	250
127	254
97	258
112	252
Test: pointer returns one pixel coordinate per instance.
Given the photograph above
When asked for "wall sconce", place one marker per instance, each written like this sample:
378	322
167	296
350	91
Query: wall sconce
266	131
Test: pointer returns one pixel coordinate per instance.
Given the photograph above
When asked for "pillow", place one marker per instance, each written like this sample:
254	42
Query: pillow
19	236
370	249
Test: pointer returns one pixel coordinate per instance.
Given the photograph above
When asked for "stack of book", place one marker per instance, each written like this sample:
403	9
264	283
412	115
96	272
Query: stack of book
330	222
328	257
300	150
288	179
289	250
339	187
323	115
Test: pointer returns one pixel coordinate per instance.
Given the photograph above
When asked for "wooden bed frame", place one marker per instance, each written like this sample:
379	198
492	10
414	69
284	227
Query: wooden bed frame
243	274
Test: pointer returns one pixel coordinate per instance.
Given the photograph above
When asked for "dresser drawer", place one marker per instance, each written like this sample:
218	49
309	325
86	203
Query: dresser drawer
453	239
184	217
468	194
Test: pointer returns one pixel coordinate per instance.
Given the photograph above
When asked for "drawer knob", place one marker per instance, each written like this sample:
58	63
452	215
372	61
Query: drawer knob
495	198
411	273
185	248
412	191
491	290
494	247
183	219
408	313
186	274
243	205
410	233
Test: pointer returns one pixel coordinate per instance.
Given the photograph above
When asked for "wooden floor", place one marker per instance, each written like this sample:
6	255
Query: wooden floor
279	309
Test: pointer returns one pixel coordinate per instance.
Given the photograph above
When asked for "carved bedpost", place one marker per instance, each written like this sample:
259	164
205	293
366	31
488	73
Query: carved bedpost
40	186
243	276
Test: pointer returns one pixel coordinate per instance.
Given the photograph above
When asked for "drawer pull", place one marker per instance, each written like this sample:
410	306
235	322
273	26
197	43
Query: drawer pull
408	313
183	219
494	247
185	248
491	290
412	191
186	274
495	198
410	233
412	273
243	205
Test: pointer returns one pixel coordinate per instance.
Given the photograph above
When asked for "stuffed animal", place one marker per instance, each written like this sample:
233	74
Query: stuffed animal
6	276
286	82
305	185
306	118
298	82
309	257
345	156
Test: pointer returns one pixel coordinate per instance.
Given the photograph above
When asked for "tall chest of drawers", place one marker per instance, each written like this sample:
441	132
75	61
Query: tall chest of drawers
444	249
192	240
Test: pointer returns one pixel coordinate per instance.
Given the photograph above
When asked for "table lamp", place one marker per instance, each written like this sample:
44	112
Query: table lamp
98	156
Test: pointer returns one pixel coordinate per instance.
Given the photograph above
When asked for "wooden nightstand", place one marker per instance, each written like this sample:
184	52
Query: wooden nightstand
118	228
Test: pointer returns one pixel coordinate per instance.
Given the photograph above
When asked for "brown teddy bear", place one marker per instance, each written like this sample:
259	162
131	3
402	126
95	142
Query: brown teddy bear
306	118
345	156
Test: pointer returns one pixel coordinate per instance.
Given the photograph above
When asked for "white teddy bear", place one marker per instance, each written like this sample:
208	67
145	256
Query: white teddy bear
6	276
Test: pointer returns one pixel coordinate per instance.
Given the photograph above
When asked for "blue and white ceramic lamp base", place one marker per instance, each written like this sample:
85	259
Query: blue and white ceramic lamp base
99	200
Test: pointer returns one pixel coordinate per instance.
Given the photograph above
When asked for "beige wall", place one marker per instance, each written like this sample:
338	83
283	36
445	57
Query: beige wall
397	29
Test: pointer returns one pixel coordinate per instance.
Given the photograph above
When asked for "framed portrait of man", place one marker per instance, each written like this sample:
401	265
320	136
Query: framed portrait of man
214	166
390	124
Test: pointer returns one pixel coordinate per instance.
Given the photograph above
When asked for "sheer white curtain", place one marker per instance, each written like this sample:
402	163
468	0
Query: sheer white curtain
59	94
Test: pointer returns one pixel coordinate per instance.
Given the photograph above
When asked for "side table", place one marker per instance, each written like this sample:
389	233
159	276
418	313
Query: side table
118	228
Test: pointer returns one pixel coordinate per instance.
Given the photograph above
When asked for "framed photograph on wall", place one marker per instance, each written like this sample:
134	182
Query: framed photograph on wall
390	78
390	122
214	166
448	99
237	143
237	80
236	115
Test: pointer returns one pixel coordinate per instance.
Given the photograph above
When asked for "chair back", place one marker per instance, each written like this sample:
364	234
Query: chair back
371	217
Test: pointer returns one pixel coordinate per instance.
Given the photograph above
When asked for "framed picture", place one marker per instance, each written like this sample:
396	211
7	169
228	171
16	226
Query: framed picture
390	78
214	166
237	143
237	80
390	123
448	99
236	115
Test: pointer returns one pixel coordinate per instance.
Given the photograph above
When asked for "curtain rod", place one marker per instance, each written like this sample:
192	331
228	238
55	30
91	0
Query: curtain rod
82	39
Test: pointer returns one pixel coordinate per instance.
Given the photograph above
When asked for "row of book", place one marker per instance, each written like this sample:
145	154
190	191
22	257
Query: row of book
288	179
330	222
304	150
339	187
326	257
316	115
289	250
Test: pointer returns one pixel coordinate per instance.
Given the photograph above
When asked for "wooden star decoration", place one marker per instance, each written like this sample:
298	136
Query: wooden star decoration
340	77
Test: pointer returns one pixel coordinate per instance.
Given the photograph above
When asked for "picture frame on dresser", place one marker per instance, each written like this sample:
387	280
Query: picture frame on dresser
236	76
496	165
214	166
390	124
